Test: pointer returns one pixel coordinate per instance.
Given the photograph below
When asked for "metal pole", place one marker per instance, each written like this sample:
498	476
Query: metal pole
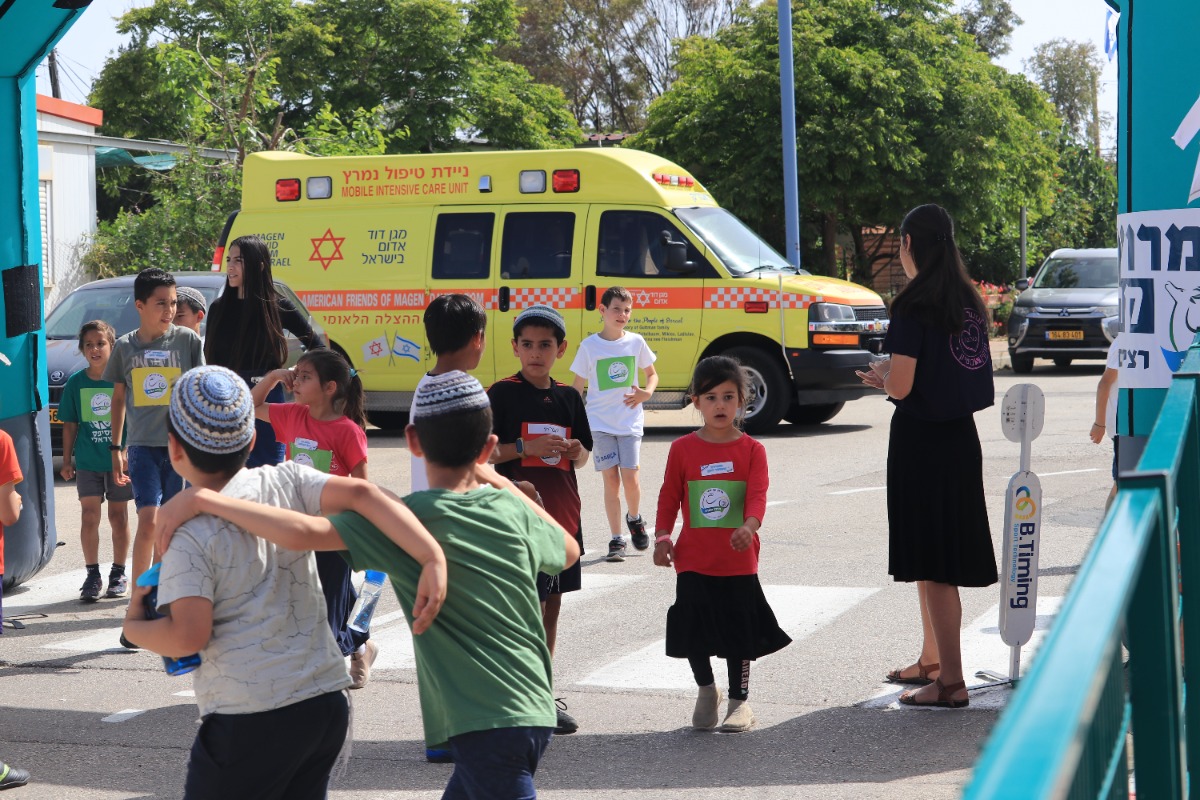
787	92
1024	264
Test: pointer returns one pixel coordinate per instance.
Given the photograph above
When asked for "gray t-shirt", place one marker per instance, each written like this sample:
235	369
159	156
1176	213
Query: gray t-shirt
149	371
271	645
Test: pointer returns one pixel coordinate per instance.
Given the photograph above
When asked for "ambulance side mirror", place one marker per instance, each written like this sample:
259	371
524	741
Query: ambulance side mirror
676	255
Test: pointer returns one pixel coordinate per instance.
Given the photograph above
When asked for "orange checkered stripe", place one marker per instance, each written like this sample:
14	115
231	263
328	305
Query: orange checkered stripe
734	297
556	297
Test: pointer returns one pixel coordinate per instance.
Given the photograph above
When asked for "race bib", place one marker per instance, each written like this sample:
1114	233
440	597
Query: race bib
532	430
152	385
95	405
158	357
306	452
718	468
616	373
717	504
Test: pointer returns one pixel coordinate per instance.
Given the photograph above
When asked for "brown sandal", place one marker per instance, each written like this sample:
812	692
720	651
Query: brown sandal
920	679
944	696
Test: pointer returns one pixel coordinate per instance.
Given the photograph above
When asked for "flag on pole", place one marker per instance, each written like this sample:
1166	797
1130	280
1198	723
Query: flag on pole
405	349
376	348
1110	34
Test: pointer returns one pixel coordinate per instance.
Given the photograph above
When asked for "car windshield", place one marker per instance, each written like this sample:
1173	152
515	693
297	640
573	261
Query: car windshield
111	303
1078	273
739	248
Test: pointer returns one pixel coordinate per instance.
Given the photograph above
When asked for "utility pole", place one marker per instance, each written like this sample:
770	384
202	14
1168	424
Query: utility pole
53	63
787	96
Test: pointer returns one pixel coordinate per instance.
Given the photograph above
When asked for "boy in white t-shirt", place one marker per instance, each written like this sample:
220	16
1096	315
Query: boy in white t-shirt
608	363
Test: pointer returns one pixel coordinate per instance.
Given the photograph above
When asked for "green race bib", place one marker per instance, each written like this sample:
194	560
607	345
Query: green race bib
616	373
717	504
306	452
95	405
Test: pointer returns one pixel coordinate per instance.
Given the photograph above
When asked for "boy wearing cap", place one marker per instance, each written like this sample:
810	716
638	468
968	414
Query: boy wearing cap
192	308
271	681
483	670
544	437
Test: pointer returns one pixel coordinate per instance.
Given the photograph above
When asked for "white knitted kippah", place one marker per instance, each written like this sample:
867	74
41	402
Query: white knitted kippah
211	409
448	393
192	294
543	314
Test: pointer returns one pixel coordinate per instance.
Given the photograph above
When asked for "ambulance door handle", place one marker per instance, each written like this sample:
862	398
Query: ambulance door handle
589	298
502	298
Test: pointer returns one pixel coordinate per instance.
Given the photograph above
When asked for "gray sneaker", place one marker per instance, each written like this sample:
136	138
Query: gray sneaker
118	585
616	550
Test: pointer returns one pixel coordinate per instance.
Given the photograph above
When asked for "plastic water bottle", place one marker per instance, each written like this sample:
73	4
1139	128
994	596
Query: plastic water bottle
368	598
174	666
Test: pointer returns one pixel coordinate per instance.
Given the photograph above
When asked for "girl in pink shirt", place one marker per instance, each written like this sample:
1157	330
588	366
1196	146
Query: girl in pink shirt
718	476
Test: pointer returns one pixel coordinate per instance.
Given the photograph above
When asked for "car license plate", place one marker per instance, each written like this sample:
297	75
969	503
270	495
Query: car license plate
54	416
1060	335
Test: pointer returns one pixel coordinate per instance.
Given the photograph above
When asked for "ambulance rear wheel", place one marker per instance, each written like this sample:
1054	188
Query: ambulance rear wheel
814	414
388	420
769	397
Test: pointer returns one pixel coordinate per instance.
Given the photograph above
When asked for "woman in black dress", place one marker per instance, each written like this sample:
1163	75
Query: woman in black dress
245	331
939	375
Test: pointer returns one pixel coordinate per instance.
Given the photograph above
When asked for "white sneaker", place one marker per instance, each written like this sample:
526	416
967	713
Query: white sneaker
708	707
360	664
739	718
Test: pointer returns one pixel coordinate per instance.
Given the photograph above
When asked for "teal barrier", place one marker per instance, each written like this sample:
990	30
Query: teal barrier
1067	730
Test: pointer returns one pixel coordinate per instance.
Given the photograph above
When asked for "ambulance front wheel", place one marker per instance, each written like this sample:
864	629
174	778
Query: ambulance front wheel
813	414
769	397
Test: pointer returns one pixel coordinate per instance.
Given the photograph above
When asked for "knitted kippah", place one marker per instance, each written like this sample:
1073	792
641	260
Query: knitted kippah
447	393
211	409
543	314
193	295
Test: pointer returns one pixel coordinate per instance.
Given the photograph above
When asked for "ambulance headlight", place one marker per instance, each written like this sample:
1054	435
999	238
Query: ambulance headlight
830	312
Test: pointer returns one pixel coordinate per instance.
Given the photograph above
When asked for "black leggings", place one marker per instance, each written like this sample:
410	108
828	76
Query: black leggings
739	675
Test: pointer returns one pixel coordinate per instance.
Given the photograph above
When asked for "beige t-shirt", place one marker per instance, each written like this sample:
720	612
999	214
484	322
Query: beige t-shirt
271	645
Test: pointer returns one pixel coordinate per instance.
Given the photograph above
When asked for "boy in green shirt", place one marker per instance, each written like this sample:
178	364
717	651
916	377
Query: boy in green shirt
483	667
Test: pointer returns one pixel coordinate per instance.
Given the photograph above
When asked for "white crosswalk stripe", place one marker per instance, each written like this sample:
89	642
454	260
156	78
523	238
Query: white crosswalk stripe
800	610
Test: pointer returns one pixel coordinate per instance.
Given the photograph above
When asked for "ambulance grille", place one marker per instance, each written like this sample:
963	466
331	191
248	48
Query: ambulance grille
870	312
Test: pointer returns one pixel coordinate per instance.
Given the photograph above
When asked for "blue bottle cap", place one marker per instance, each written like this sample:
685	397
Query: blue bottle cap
375	576
150	576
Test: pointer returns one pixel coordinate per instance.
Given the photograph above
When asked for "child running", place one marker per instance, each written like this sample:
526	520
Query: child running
483	668
325	429
86	413
544	437
718	475
608	363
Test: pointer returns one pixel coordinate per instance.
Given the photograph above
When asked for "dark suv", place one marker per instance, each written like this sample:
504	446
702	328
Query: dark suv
1061	313
111	300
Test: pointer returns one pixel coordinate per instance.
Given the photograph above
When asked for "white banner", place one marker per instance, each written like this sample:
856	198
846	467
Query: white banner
1160	293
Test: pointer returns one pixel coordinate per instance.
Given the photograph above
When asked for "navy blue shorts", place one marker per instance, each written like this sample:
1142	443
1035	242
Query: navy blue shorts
496	764
153	478
569	580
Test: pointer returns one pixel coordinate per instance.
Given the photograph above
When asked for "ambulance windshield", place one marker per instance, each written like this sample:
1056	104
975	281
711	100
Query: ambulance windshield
738	247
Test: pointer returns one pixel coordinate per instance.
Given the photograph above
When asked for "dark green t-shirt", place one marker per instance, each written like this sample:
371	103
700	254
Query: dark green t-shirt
483	664
88	402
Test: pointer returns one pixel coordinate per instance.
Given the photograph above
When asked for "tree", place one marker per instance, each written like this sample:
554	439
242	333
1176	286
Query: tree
1069	72
991	22
894	105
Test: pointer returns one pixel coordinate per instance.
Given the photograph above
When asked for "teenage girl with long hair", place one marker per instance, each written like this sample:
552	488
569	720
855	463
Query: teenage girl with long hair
324	428
718	476
245	329
939	375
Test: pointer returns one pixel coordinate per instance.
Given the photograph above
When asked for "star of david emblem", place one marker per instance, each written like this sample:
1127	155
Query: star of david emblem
318	253
376	349
643	299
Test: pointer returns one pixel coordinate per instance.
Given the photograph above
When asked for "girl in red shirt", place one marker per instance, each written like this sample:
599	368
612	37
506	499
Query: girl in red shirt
718	476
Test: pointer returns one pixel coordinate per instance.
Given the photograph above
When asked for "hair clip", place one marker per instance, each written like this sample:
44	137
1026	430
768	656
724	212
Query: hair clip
353	372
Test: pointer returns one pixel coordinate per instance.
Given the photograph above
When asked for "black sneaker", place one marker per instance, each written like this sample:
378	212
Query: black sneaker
637	531
11	776
128	644
616	549
566	723
92	585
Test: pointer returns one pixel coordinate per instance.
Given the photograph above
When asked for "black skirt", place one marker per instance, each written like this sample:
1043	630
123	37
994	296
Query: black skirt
937	515
724	616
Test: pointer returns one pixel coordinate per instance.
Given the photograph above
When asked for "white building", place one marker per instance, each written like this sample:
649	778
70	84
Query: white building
66	190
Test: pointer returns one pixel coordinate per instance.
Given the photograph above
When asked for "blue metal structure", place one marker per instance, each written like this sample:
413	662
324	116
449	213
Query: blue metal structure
29	29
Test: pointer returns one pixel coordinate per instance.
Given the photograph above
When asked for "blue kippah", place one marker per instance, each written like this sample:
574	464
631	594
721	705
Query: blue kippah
545	315
211	409
447	393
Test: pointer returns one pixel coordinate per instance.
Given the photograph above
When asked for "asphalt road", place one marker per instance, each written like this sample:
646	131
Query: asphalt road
91	720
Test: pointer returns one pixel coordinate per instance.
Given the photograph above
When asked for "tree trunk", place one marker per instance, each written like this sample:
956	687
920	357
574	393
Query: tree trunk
829	229
862	261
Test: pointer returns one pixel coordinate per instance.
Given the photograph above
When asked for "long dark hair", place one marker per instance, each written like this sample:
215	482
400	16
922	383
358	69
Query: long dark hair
937	295
259	341
348	400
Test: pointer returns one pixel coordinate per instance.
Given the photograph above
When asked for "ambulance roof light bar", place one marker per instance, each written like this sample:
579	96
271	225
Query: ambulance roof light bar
673	180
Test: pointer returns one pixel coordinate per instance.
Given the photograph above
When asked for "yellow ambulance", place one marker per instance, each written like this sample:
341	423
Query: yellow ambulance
368	241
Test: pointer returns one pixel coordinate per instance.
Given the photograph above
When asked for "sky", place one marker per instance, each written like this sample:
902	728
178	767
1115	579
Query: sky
84	49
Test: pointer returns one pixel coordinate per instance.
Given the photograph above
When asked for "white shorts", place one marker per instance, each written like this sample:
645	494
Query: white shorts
610	450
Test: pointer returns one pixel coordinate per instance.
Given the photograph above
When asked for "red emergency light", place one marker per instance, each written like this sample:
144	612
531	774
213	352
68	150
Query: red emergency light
566	180
287	190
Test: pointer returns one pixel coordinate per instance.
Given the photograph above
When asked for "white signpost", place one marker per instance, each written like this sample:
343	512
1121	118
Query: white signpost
1021	416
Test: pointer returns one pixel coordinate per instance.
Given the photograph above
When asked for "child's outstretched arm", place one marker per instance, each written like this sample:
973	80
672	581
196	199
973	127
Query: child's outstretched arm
258	394
287	528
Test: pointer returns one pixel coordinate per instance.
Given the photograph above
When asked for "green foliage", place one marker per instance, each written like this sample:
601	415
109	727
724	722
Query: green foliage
991	22
1069	72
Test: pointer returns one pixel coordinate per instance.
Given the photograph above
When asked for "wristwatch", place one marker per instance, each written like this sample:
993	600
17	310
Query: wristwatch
115	447
520	445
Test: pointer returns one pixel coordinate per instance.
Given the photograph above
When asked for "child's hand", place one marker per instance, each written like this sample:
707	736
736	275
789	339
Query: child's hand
742	538
120	468
530	491
637	395
173	513
573	448
547	446
664	553
431	593
286	377
1097	435
137	601
67	471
